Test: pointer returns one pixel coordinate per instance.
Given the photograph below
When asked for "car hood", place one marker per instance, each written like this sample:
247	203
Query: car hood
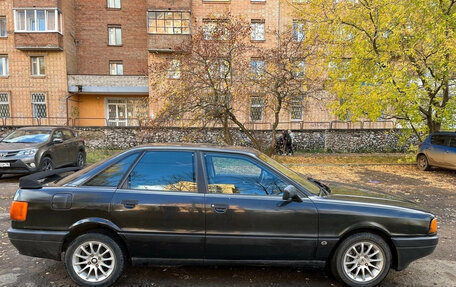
352	193
17	146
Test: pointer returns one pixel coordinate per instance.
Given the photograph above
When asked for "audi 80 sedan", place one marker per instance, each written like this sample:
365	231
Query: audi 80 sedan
197	204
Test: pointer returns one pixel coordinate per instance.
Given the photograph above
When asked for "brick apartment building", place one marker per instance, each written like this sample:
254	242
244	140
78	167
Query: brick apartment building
85	62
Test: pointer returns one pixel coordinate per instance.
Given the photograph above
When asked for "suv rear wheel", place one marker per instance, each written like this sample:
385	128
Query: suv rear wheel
80	159
362	260
94	259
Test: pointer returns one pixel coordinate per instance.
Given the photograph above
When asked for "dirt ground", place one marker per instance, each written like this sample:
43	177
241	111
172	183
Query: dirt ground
435	190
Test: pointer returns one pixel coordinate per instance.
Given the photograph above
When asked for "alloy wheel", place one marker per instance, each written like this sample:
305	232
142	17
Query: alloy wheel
93	261
363	261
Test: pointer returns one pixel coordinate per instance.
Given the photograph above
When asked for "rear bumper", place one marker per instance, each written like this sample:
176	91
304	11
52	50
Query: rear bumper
37	243
412	248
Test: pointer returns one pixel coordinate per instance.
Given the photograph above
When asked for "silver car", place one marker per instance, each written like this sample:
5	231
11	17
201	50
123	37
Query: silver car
438	149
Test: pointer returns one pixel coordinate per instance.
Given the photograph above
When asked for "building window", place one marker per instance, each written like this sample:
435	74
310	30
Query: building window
256	108
174	71
115	68
257	66
3	65
114	36
220	69
300	1
39	105
38	20
126	111
37	64
4	105
215	29
114	4
257	30
169	22
3	31
299	68
298	31
296	109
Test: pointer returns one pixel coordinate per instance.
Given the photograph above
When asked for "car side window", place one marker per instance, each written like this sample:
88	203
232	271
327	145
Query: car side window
452	142
58	135
111	176
233	174
67	134
438	139
164	171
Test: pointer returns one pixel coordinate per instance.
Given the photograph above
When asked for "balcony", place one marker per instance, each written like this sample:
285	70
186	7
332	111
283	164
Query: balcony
166	42
52	41
169	4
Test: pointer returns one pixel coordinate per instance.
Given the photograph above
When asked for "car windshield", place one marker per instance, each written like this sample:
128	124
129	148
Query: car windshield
28	136
309	186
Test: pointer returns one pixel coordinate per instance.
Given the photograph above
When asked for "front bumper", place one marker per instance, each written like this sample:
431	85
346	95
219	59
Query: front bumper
38	243
18	165
411	248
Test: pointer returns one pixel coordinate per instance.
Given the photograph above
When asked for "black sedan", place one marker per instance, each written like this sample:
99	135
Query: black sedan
194	204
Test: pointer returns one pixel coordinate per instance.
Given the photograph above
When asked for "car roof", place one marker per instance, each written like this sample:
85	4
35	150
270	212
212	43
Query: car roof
201	147
42	128
446	133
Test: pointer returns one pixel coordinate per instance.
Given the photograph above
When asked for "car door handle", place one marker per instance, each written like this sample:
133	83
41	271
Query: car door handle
129	203
219	208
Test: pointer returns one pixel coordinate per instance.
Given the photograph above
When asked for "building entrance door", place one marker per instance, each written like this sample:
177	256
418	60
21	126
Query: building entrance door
117	114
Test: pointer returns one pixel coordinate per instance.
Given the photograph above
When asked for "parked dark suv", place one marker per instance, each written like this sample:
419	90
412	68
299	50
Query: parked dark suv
32	149
438	149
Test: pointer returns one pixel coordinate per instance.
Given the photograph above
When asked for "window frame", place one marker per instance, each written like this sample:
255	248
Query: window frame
6	103
33	102
254	66
58	20
296	102
173	27
253	33
116	62
38	63
174	71
3	19
298	35
256	106
5	65
247	158
123	182
114	6
116	27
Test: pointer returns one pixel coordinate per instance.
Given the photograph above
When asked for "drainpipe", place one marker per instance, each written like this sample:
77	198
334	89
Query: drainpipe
67	99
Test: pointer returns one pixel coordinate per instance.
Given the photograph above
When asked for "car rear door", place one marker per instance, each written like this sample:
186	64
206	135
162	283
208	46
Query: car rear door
159	209
70	146
246	217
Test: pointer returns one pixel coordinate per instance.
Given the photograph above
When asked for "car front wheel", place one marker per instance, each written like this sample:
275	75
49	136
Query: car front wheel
422	162
94	259
46	164
362	260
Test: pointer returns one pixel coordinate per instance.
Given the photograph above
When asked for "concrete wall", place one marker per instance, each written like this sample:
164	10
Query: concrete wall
305	140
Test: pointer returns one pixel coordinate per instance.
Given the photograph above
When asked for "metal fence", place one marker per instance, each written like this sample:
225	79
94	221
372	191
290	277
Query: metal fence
146	122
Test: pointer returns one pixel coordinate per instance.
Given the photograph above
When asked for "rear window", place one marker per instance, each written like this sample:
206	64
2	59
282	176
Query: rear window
438	139
111	176
452	141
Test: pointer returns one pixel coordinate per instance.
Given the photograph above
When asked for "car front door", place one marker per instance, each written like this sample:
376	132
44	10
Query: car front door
450	154
436	151
159	209
57	149
246	217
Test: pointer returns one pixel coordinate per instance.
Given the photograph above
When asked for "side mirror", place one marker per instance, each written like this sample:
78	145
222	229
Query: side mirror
291	193
57	141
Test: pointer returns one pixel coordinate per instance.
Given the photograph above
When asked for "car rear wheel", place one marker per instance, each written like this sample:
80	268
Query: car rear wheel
422	162
362	260
94	259
81	159
46	164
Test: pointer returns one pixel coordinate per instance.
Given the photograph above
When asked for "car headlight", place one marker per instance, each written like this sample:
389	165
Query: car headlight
31	151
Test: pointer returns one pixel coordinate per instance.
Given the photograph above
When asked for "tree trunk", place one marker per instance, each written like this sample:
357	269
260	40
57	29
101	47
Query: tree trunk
277	110
245	131
227	137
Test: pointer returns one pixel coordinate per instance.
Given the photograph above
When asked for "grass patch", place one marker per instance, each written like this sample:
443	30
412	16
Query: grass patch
348	158
96	155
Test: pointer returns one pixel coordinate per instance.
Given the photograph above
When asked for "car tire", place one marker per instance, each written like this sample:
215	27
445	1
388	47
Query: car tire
94	259
423	163
361	260
46	164
81	159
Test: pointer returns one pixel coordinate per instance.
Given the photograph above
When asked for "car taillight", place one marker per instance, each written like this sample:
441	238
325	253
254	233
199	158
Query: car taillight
433	226
18	210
